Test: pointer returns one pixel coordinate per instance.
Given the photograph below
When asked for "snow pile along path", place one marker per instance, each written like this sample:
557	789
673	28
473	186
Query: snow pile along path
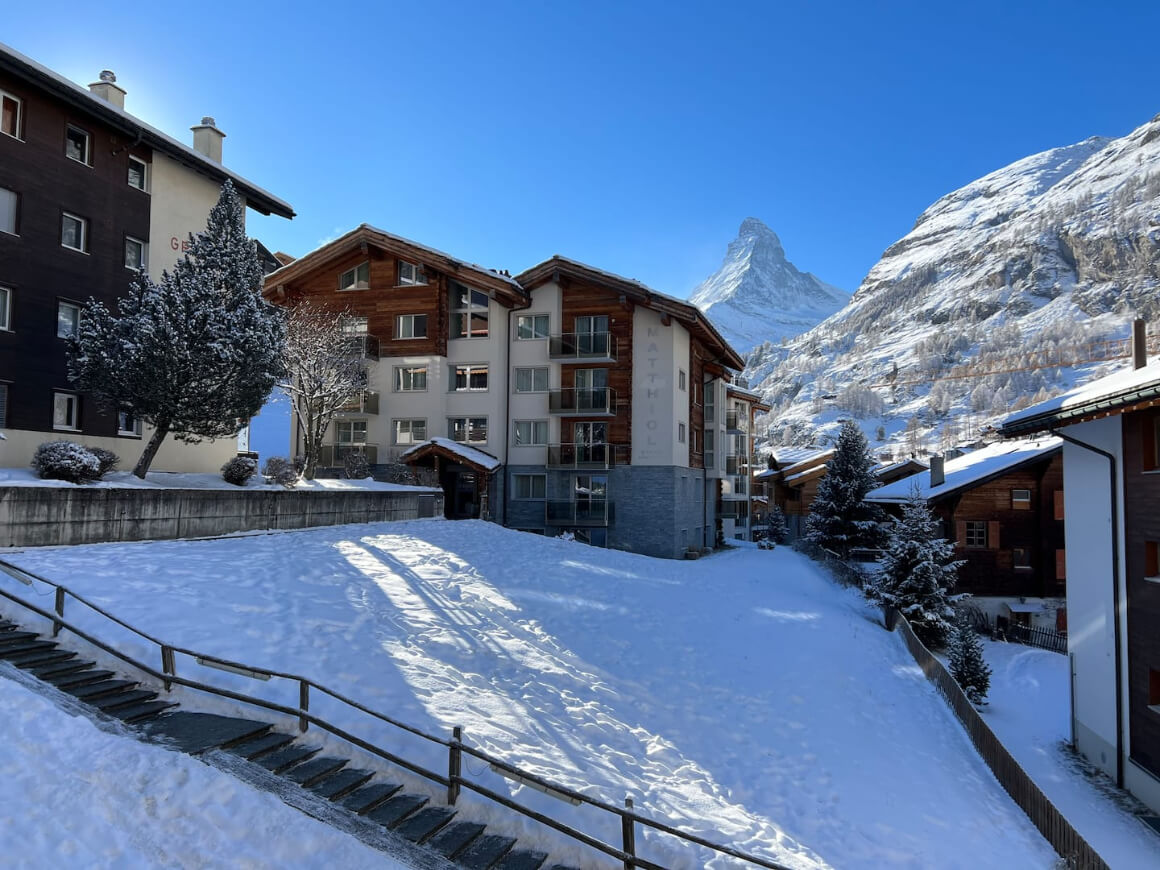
742	697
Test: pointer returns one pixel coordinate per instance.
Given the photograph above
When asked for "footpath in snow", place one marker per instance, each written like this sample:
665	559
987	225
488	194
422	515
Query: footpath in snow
743	697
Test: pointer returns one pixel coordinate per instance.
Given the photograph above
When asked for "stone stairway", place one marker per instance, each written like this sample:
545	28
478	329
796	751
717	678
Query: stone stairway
292	758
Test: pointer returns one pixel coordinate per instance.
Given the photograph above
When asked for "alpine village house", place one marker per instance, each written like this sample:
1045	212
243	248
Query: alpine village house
563	399
89	194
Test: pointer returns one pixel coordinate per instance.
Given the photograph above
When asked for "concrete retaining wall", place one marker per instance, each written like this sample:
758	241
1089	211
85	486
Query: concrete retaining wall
44	516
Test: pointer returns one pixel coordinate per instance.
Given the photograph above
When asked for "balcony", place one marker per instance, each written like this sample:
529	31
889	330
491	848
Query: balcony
583	347
365	402
335	454
362	346
736	421
736	464
582	403
587	455
589	512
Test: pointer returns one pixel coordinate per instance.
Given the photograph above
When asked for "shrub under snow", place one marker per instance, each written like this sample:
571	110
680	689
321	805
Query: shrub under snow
355	465
238	470
66	460
280	470
107	458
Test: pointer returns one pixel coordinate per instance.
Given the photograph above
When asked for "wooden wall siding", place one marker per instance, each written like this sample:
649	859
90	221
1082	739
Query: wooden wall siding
40	271
1141	524
991	571
696	367
580	298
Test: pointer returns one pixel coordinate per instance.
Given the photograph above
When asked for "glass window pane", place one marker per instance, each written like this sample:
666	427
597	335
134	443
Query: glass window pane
8	201
10	116
136	174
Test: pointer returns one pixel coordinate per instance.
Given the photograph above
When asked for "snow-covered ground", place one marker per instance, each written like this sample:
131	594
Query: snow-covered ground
81	796
192	480
743	696
1029	711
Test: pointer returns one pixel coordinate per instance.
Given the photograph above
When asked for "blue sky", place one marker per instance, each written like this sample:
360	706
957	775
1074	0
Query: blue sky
634	136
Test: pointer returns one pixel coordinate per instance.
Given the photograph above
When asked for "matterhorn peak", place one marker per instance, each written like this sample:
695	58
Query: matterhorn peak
758	295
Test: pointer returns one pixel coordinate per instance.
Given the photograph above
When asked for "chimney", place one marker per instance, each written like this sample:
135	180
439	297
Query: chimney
207	139
1139	344
937	474
108	90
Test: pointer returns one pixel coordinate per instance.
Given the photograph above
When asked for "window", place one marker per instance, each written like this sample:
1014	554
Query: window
467	430
1154	690
531	433
530	485
592	334
469	378
468	312
5	309
680	379
350	431
9	209
532	380
11	109
1021	499
76	144
531	326
128	424
138	174
411	326
410	431
976	533
3	405
410	379
1151	428
134	254
66	411
681	432
710	405
1152	560
710	454
68	319
357	278
411	274
74	232
1021	559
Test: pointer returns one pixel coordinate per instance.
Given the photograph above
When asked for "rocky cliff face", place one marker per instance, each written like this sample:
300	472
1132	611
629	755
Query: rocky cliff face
759	296
1026	266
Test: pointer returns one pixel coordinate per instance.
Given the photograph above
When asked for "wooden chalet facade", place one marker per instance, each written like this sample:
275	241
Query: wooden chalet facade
790	482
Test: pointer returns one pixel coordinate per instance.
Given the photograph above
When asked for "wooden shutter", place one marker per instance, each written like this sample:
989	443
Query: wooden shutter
993	535
1061	564
961	533
1058	496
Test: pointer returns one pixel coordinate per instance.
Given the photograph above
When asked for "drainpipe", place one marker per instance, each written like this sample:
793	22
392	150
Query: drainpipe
1116	605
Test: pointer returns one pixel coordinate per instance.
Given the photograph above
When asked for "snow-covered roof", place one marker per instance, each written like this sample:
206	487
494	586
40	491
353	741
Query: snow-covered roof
803	476
968	470
787	457
767	473
1025	606
883	470
469	454
256	197
1092	399
745	393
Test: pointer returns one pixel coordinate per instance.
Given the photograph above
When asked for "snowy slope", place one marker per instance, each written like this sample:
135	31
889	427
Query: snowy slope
743	696
1044	256
758	295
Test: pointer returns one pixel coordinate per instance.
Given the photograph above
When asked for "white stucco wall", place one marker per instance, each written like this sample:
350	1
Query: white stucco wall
533	353
209	456
181	200
655	411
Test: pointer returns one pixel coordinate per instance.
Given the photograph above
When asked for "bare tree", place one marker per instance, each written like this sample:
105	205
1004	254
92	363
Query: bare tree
324	371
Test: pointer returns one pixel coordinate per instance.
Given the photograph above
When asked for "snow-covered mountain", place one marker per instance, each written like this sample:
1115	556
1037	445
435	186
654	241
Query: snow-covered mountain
1028	265
758	295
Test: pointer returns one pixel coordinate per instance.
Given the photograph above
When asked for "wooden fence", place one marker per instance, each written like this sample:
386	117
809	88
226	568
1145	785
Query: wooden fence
1044	638
1056	829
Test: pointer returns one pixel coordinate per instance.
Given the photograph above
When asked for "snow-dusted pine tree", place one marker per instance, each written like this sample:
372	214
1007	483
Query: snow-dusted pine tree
839	517
323	373
778	530
918	573
194	355
968	667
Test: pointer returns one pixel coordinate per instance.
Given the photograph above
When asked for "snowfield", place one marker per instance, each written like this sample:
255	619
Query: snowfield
743	697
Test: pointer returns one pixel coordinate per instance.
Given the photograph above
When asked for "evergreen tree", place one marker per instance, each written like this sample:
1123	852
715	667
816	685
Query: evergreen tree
968	667
194	355
918	573
839	517
778	530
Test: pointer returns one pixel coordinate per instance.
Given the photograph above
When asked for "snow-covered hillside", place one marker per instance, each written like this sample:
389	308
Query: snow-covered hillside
1038	259
758	295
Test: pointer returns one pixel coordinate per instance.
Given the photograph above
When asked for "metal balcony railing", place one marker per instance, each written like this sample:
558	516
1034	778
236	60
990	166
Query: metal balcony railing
583	512
582	402
335	454
363	346
736	464
586	346
361	403
735	421
587	455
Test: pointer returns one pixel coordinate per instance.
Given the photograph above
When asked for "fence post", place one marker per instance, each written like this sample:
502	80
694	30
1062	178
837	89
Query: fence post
454	765
60	593
628	831
167	666
303	704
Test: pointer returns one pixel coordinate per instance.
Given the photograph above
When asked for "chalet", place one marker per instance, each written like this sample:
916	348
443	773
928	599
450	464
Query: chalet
791	482
89	196
889	472
1002	505
1111	459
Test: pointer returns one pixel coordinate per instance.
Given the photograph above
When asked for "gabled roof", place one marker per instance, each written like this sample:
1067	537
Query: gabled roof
747	395
365	234
910	465
802	475
785	458
477	459
689	315
85	100
969	471
1128	390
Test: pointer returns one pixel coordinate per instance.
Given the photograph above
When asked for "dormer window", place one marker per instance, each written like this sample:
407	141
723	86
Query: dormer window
358	278
411	274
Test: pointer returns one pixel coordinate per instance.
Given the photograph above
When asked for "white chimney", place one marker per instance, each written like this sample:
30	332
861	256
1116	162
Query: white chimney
937	473
207	139
108	90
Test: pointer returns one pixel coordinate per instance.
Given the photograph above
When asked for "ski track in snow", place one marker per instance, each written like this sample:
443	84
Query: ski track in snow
742	697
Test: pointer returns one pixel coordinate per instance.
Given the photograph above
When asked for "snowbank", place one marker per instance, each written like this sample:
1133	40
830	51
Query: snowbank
175	480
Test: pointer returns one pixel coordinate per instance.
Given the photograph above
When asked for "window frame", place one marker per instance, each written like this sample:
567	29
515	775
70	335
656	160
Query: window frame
469	311
340	425
135	429
5	308
15	231
971	531
87	159
533	370
410	319
1018	502
84	225
469	370
1018	565
355	281
64	303
470	426
144	186
144	246
400	379
534	317
531	480
536	426
18	134
75	425
396	429
682	380
417	270
680	433
1152	561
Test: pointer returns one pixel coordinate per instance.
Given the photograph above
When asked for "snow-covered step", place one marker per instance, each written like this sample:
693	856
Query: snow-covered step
73	677
284	759
419	826
341	784
194	733
117	700
315	770
521	859
255	748
455	837
396	809
484	851
368	797
92	691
